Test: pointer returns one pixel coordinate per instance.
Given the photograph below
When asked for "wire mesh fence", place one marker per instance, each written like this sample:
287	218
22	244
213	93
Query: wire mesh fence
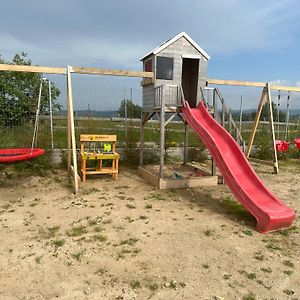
101	108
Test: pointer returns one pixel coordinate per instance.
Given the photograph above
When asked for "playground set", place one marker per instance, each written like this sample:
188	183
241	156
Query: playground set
174	85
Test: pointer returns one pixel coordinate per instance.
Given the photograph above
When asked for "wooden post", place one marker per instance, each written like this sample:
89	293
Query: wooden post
256	122
213	165
162	134
69	130
72	127
142	139
186	143
272	130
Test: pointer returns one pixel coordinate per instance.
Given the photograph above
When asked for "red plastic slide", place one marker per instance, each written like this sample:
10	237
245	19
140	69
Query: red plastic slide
269	211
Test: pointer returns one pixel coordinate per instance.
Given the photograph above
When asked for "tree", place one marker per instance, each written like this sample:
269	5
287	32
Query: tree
265	113
19	93
133	110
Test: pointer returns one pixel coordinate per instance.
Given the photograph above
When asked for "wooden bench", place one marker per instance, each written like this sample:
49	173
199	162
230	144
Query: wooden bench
96	151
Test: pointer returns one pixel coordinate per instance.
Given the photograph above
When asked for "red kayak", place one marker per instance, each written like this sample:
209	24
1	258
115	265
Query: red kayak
20	154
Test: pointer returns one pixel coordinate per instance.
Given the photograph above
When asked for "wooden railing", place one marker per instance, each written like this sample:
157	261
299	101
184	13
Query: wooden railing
223	115
170	95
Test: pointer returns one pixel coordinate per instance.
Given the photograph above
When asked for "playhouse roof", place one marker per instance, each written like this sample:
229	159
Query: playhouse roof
174	39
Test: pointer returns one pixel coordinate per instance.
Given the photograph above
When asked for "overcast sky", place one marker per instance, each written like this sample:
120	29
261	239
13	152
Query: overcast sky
247	40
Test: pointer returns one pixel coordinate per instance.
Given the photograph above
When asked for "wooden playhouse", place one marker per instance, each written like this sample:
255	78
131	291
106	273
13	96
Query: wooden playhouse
179	66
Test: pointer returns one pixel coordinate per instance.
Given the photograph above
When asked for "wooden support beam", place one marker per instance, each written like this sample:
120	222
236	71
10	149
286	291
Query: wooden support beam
272	130
262	162
96	71
252	84
32	69
73	138
256	122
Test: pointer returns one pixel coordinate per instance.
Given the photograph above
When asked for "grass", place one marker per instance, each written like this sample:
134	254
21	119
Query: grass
100	238
38	259
135	284
289	264
48	233
130	241
250	276
77	256
209	232
58	243
249	296
77	231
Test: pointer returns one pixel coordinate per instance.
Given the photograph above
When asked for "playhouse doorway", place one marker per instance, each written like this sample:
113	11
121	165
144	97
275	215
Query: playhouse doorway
189	81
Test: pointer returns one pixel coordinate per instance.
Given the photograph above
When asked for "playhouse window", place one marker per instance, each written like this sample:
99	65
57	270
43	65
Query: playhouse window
148	65
164	67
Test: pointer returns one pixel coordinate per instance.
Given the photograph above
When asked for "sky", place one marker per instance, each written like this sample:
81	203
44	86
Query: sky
247	40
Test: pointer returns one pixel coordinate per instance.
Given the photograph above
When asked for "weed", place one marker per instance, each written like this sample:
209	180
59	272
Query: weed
273	246
266	270
135	284
259	256
77	255
100	238
148	206
77	231
249	296
153	286
143	217
98	229
288	292
130	206
48	233
130	241
209	232
58	243
226	276
247	232
288	272
289	264
251	276
108	221
129	219
38	259
101	271
289	231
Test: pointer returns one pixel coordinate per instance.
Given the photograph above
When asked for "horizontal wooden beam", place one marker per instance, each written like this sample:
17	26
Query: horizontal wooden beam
79	70
262	162
252	84
96	71
32	69
235	82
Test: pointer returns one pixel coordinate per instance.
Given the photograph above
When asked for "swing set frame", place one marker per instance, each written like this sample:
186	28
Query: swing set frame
67	71
265	99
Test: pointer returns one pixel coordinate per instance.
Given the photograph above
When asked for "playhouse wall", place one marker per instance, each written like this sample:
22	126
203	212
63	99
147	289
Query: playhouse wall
175	50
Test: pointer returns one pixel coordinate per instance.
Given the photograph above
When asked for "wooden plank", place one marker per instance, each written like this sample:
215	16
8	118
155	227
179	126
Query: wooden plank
148	176
98	138
147	81
96	71
73	138
191	182
260	161
32	69
252	84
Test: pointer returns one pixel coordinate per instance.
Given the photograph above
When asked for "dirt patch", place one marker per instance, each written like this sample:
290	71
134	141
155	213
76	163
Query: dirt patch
125	240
